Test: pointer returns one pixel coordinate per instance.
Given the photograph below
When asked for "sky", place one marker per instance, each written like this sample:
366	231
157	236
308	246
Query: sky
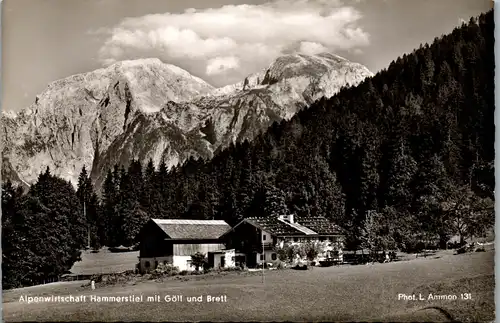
221	41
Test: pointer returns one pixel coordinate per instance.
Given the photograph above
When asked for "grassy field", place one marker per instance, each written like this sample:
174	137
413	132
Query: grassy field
105	262
345	293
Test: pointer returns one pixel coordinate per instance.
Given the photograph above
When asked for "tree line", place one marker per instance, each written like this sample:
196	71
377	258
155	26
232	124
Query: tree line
405	156
43	231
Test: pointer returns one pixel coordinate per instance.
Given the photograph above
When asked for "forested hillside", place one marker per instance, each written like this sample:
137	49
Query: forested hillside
406	156
408	143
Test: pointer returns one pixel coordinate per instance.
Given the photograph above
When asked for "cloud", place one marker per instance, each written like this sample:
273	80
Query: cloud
225	44
356	51
220	64
310	48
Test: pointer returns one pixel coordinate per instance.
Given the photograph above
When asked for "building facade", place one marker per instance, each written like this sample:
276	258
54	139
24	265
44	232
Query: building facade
174	241
259	238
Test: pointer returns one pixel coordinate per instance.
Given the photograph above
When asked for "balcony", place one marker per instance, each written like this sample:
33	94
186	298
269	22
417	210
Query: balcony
268	245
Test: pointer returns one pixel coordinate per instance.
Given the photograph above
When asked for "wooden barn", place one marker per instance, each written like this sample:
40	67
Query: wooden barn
174	241
258	238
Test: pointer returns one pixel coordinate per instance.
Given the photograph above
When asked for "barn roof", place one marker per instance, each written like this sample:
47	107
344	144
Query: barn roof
192	229
319	224
301	226
273	226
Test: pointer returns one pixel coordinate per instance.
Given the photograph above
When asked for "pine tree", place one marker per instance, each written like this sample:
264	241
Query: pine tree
275	203
110	227
89	203
12	236
130	213
148	194
401	174
165	190
48	231
246	190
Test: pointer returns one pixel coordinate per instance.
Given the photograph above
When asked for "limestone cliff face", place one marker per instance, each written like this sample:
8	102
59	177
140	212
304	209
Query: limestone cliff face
147	109
76	119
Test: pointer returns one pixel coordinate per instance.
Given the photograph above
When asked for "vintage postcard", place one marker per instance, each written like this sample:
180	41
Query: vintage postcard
248	160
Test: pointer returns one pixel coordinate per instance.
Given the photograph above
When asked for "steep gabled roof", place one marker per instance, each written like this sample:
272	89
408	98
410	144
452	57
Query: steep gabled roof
301	226
319	224
192	229
274	226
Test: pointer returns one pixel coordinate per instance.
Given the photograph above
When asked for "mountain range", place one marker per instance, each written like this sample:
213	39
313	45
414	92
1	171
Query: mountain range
146	109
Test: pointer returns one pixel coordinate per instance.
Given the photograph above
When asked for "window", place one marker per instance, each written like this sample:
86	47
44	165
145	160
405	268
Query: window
156	264
147	264
322	239
264	237
262	257
295	239
273	256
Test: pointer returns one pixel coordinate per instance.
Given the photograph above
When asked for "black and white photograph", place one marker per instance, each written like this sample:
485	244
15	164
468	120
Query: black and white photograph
248	160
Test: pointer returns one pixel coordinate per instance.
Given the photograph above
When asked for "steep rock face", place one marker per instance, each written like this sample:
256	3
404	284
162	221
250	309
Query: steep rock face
76	119
147	109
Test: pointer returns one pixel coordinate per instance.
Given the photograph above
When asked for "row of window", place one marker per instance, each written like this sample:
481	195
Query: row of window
305	239
264	237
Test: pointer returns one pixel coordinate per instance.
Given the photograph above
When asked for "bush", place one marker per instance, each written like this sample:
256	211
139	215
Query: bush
312	250
278	264
480	250
116	278
183	273
290	251
242	265
282	254
96	278
166	270
300	267
231	269
206	266
199	260
307	250
196	272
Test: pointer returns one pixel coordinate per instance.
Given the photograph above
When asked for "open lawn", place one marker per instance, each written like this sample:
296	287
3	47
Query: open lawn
105	262
345	293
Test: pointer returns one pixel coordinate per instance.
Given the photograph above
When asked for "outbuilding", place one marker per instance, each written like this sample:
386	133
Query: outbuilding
174	241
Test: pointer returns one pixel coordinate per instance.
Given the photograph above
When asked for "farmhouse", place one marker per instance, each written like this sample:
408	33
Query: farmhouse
258	238
174	241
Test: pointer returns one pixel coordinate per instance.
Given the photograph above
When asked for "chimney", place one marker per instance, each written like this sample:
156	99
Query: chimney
290	218
281	217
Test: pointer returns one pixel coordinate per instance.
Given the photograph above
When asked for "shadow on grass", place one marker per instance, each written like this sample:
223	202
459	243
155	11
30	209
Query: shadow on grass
427	314
481	306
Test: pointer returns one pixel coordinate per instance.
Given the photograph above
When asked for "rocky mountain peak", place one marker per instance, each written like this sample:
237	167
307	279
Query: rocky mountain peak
146	109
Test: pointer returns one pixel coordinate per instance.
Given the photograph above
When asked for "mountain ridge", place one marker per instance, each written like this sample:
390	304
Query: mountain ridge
149	109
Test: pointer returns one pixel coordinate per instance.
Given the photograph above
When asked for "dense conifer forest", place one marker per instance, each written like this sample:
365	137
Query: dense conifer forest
405	158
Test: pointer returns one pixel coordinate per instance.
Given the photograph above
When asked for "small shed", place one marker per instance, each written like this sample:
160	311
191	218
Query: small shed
226	258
